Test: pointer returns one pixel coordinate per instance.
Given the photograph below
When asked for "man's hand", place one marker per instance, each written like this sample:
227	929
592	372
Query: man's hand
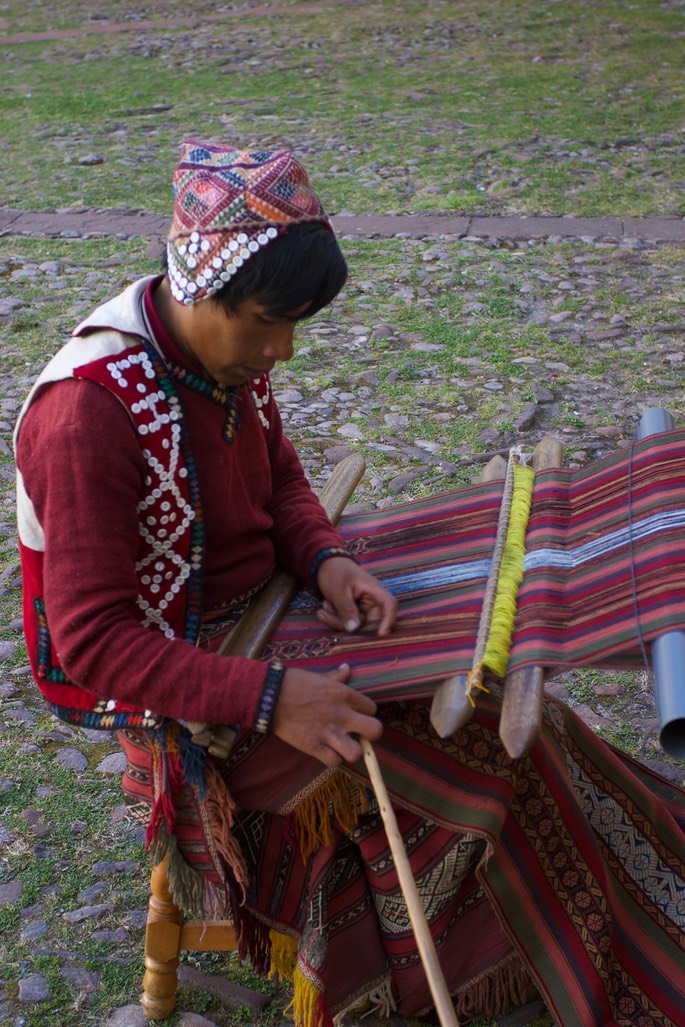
319	715
353	598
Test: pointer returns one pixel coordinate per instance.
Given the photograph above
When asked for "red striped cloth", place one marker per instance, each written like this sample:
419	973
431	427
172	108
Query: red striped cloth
564	869
601	543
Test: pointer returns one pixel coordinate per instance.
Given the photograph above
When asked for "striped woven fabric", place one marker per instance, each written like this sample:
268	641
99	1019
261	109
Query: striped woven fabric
602	543
565	868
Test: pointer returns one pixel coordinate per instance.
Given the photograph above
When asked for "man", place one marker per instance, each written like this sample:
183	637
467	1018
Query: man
156	493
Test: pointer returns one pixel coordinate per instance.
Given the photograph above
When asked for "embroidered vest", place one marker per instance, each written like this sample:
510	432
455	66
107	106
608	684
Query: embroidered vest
171	553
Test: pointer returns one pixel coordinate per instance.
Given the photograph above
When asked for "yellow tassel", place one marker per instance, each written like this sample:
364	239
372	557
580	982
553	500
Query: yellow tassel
474	680
340	801
283	955
496	655
305	1008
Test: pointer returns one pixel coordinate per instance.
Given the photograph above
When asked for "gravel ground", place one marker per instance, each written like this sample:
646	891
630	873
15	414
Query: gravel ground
562	290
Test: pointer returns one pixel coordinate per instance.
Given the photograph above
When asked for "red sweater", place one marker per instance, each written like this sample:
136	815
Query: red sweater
83	470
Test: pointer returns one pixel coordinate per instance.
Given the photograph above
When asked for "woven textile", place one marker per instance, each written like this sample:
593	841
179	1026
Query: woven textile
564	869
580	863
228	205
592	559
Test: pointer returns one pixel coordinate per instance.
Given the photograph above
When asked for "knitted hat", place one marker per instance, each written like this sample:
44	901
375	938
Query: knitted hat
229	204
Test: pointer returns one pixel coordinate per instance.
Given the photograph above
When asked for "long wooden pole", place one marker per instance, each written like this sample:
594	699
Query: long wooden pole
424	940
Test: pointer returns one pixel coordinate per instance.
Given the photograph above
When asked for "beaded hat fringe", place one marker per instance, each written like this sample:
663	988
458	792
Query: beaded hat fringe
229	204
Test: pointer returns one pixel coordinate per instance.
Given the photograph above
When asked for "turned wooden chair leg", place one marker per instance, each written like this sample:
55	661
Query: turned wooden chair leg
162	947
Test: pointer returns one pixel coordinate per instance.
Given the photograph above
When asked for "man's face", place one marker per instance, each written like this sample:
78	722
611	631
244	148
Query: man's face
232	347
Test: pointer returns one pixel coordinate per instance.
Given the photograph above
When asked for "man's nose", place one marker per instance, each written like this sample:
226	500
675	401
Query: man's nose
280	346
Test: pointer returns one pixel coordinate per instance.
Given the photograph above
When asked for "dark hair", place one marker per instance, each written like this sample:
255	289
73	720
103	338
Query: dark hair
305	263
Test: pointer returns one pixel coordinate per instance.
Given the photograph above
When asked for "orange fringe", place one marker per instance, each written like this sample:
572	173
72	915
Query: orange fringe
221	810
337	803
494	994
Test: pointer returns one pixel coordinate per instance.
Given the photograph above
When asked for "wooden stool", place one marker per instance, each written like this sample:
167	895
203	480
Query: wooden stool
166	936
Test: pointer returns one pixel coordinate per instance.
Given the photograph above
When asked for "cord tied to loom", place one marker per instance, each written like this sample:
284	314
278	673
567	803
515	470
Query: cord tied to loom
496	625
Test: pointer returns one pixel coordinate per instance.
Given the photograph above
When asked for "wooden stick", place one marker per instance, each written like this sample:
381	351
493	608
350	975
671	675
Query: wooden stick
424	941
521	715
264	613
451	708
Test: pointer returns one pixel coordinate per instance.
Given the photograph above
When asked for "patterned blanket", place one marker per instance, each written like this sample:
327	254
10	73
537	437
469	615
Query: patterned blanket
562	871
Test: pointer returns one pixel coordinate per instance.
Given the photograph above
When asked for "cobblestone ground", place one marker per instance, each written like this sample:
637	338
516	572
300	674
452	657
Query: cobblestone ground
79	927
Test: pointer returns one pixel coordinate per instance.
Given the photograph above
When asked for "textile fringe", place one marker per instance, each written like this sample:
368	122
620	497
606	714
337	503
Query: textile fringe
496	655
493	994
378	1002
339	801
186	884
176	762
253	935
308	1008
283	953
221	810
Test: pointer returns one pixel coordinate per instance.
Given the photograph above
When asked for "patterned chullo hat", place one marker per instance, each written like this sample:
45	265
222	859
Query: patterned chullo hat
228	204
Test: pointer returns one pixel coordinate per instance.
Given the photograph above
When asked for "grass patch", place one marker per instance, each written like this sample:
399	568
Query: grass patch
494	115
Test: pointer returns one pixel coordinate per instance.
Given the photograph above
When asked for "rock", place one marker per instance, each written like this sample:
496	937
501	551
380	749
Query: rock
400	483
231	995
527	416
93	735
6	836
120	935
83	980
350	431
289	396
77	916
9	304
542	394
195	1020
128	1016
7	649
115	763
427	347
105	868
71	759
34	988
92	891
137	918
33	930
334	454
91	159
10	893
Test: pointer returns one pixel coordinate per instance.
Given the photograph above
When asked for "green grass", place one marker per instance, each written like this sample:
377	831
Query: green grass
566	108
571	107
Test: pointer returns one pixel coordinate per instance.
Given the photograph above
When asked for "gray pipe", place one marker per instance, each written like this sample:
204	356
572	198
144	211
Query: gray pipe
668	651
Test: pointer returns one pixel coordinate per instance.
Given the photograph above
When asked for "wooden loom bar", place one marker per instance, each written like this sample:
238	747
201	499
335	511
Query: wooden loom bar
524	689
521	715
451	707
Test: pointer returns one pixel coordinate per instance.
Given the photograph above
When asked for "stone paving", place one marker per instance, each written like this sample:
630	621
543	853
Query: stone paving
73	751
86	223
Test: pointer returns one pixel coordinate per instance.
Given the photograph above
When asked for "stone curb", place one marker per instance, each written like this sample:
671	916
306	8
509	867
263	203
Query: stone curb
127	224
